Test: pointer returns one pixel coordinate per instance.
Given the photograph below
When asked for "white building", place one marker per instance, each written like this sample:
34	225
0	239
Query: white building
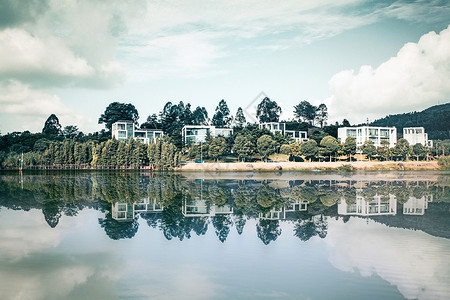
199	133
416	206
417	135
125	130
369	133
377	206
277	127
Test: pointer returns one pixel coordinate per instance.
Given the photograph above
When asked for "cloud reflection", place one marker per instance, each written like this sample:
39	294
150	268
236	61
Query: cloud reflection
417	263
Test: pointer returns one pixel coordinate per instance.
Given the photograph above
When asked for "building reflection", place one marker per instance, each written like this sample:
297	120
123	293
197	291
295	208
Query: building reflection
125	211
416	206
377	206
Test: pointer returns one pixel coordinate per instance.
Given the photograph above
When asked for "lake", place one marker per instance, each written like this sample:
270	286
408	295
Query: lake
289	235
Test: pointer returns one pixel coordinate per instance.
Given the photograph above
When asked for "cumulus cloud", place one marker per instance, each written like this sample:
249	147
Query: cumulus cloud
416	263
418	76
25	108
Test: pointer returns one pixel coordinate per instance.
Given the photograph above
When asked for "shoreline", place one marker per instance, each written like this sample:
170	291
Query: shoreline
312	166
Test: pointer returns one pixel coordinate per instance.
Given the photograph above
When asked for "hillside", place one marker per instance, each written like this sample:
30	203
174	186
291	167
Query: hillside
435	120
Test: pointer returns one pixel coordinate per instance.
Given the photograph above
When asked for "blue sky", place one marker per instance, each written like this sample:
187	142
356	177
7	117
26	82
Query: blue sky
364	59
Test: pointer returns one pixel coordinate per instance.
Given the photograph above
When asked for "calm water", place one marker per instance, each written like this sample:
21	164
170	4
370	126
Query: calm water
225	236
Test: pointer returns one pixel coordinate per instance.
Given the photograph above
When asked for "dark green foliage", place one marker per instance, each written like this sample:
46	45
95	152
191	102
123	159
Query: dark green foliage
243	147
265	146
222	116
268	111
305	111
118	111
151	123
239	119
52	126
199	116
435	120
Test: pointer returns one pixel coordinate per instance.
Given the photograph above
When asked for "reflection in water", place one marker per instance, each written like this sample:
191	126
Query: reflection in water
178	206
363	222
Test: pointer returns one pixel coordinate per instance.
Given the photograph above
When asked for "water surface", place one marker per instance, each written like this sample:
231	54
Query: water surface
225	236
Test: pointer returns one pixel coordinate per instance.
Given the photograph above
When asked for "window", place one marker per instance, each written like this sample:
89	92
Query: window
384	132
121	126
373	131
122	134
351	132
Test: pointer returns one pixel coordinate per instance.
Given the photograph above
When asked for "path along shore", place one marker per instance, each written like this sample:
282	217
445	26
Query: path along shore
296	166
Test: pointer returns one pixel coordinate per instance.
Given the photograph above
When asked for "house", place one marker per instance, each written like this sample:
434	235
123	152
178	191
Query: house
200	133
417	135
125	130
377	206
277	127
369	133
417	206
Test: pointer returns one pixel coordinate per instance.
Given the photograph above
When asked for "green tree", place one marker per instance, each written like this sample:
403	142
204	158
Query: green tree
70	131
384	150
265	146
349	147
305	111
268	111
239	119
151	123
369	149
329	145
243	147
222	117
309	149
199	116
321	115
217	147
402	148
52	126
118	111
418	150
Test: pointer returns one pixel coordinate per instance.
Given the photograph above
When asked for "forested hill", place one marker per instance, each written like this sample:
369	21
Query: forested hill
435	120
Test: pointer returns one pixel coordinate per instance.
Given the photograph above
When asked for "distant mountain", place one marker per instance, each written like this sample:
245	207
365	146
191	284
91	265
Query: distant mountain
435	120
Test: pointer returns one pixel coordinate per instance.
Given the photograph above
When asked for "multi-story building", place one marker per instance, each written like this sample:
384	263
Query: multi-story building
378	205
125	130
369	133
200	133
417	135
277	127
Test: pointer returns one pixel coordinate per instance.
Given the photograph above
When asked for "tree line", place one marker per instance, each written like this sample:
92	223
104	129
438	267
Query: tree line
58	146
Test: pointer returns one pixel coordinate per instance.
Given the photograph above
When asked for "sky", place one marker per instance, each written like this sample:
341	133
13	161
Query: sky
363	59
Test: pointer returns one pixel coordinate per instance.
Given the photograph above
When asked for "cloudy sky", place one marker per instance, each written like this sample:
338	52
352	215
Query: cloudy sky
364	59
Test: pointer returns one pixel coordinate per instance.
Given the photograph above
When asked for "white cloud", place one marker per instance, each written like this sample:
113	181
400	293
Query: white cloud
419	76
25	108
416	263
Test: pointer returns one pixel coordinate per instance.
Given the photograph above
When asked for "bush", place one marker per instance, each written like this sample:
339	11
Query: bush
444	162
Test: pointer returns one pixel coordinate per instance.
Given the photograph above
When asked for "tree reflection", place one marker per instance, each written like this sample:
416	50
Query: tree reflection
268	230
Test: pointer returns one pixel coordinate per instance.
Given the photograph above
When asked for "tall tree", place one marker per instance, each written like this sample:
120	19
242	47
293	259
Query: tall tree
243	146
369	149
217	147
151	123
70	131
265	146
268	111
349	147
52	126
305	111
199	116
118	111
239	119
322	115
222	117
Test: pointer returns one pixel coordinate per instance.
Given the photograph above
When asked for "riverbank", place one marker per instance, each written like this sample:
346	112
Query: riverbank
298	166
